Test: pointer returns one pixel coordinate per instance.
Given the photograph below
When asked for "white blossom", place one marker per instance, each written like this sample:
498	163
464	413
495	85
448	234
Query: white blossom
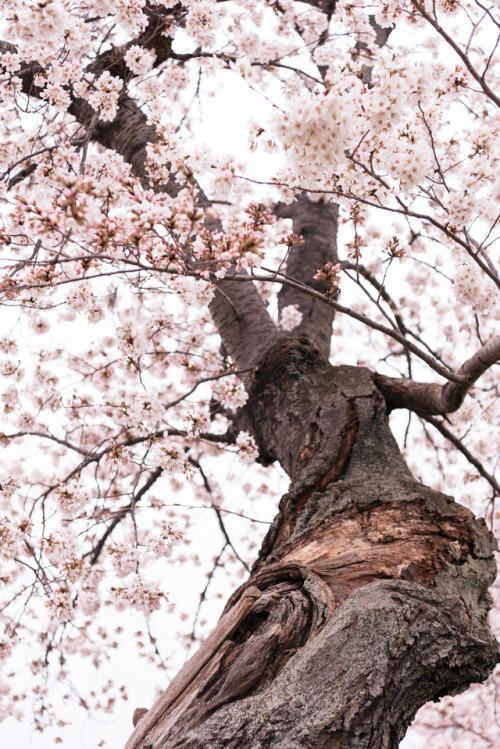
290	317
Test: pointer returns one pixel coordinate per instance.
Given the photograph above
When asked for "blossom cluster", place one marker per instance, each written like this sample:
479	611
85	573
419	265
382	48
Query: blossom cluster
331	274
117	397
290	317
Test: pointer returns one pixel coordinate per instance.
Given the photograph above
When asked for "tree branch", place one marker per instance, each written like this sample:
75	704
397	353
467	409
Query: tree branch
271	276
427	399
154	476
478	77
456	442
218	513
239	313
317	223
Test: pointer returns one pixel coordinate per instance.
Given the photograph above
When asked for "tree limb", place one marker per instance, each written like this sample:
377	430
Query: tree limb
239	313
271	276
317	223
427	399
456	442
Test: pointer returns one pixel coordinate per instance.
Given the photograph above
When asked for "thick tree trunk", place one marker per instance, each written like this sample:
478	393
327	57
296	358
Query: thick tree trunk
369	596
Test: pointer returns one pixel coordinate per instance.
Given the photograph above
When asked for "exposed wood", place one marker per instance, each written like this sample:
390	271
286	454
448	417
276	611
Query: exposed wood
225	628
373	587
293	606
355	685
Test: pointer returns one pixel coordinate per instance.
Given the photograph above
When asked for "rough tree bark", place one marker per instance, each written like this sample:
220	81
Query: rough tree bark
369	596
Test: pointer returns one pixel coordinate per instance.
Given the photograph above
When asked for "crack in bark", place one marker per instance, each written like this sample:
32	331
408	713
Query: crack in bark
361	562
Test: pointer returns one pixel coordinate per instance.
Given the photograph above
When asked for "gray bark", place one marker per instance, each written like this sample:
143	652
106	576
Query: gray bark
390	647
317	223
430	398
369	596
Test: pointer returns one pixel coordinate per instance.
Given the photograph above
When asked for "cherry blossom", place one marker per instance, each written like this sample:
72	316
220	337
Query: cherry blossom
291	316
128	210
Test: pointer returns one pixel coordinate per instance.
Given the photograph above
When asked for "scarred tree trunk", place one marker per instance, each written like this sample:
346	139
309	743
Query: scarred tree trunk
369	596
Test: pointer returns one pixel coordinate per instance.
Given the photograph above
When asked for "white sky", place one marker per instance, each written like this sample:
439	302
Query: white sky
224	127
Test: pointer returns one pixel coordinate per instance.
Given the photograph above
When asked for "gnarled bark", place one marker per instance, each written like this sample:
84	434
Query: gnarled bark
369	596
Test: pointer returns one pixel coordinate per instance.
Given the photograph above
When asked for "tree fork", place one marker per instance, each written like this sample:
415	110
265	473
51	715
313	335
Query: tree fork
369	596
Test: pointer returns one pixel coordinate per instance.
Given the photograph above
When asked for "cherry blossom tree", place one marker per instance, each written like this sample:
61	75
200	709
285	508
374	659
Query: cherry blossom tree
173	310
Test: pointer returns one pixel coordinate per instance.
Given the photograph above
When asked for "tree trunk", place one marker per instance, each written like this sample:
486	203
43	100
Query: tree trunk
369	596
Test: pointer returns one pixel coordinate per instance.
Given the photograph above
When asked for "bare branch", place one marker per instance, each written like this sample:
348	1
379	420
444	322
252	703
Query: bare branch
456	442
217	511
428	399
153	477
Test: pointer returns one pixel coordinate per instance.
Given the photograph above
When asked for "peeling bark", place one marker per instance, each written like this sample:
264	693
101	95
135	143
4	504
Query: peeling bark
388	649
371	589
